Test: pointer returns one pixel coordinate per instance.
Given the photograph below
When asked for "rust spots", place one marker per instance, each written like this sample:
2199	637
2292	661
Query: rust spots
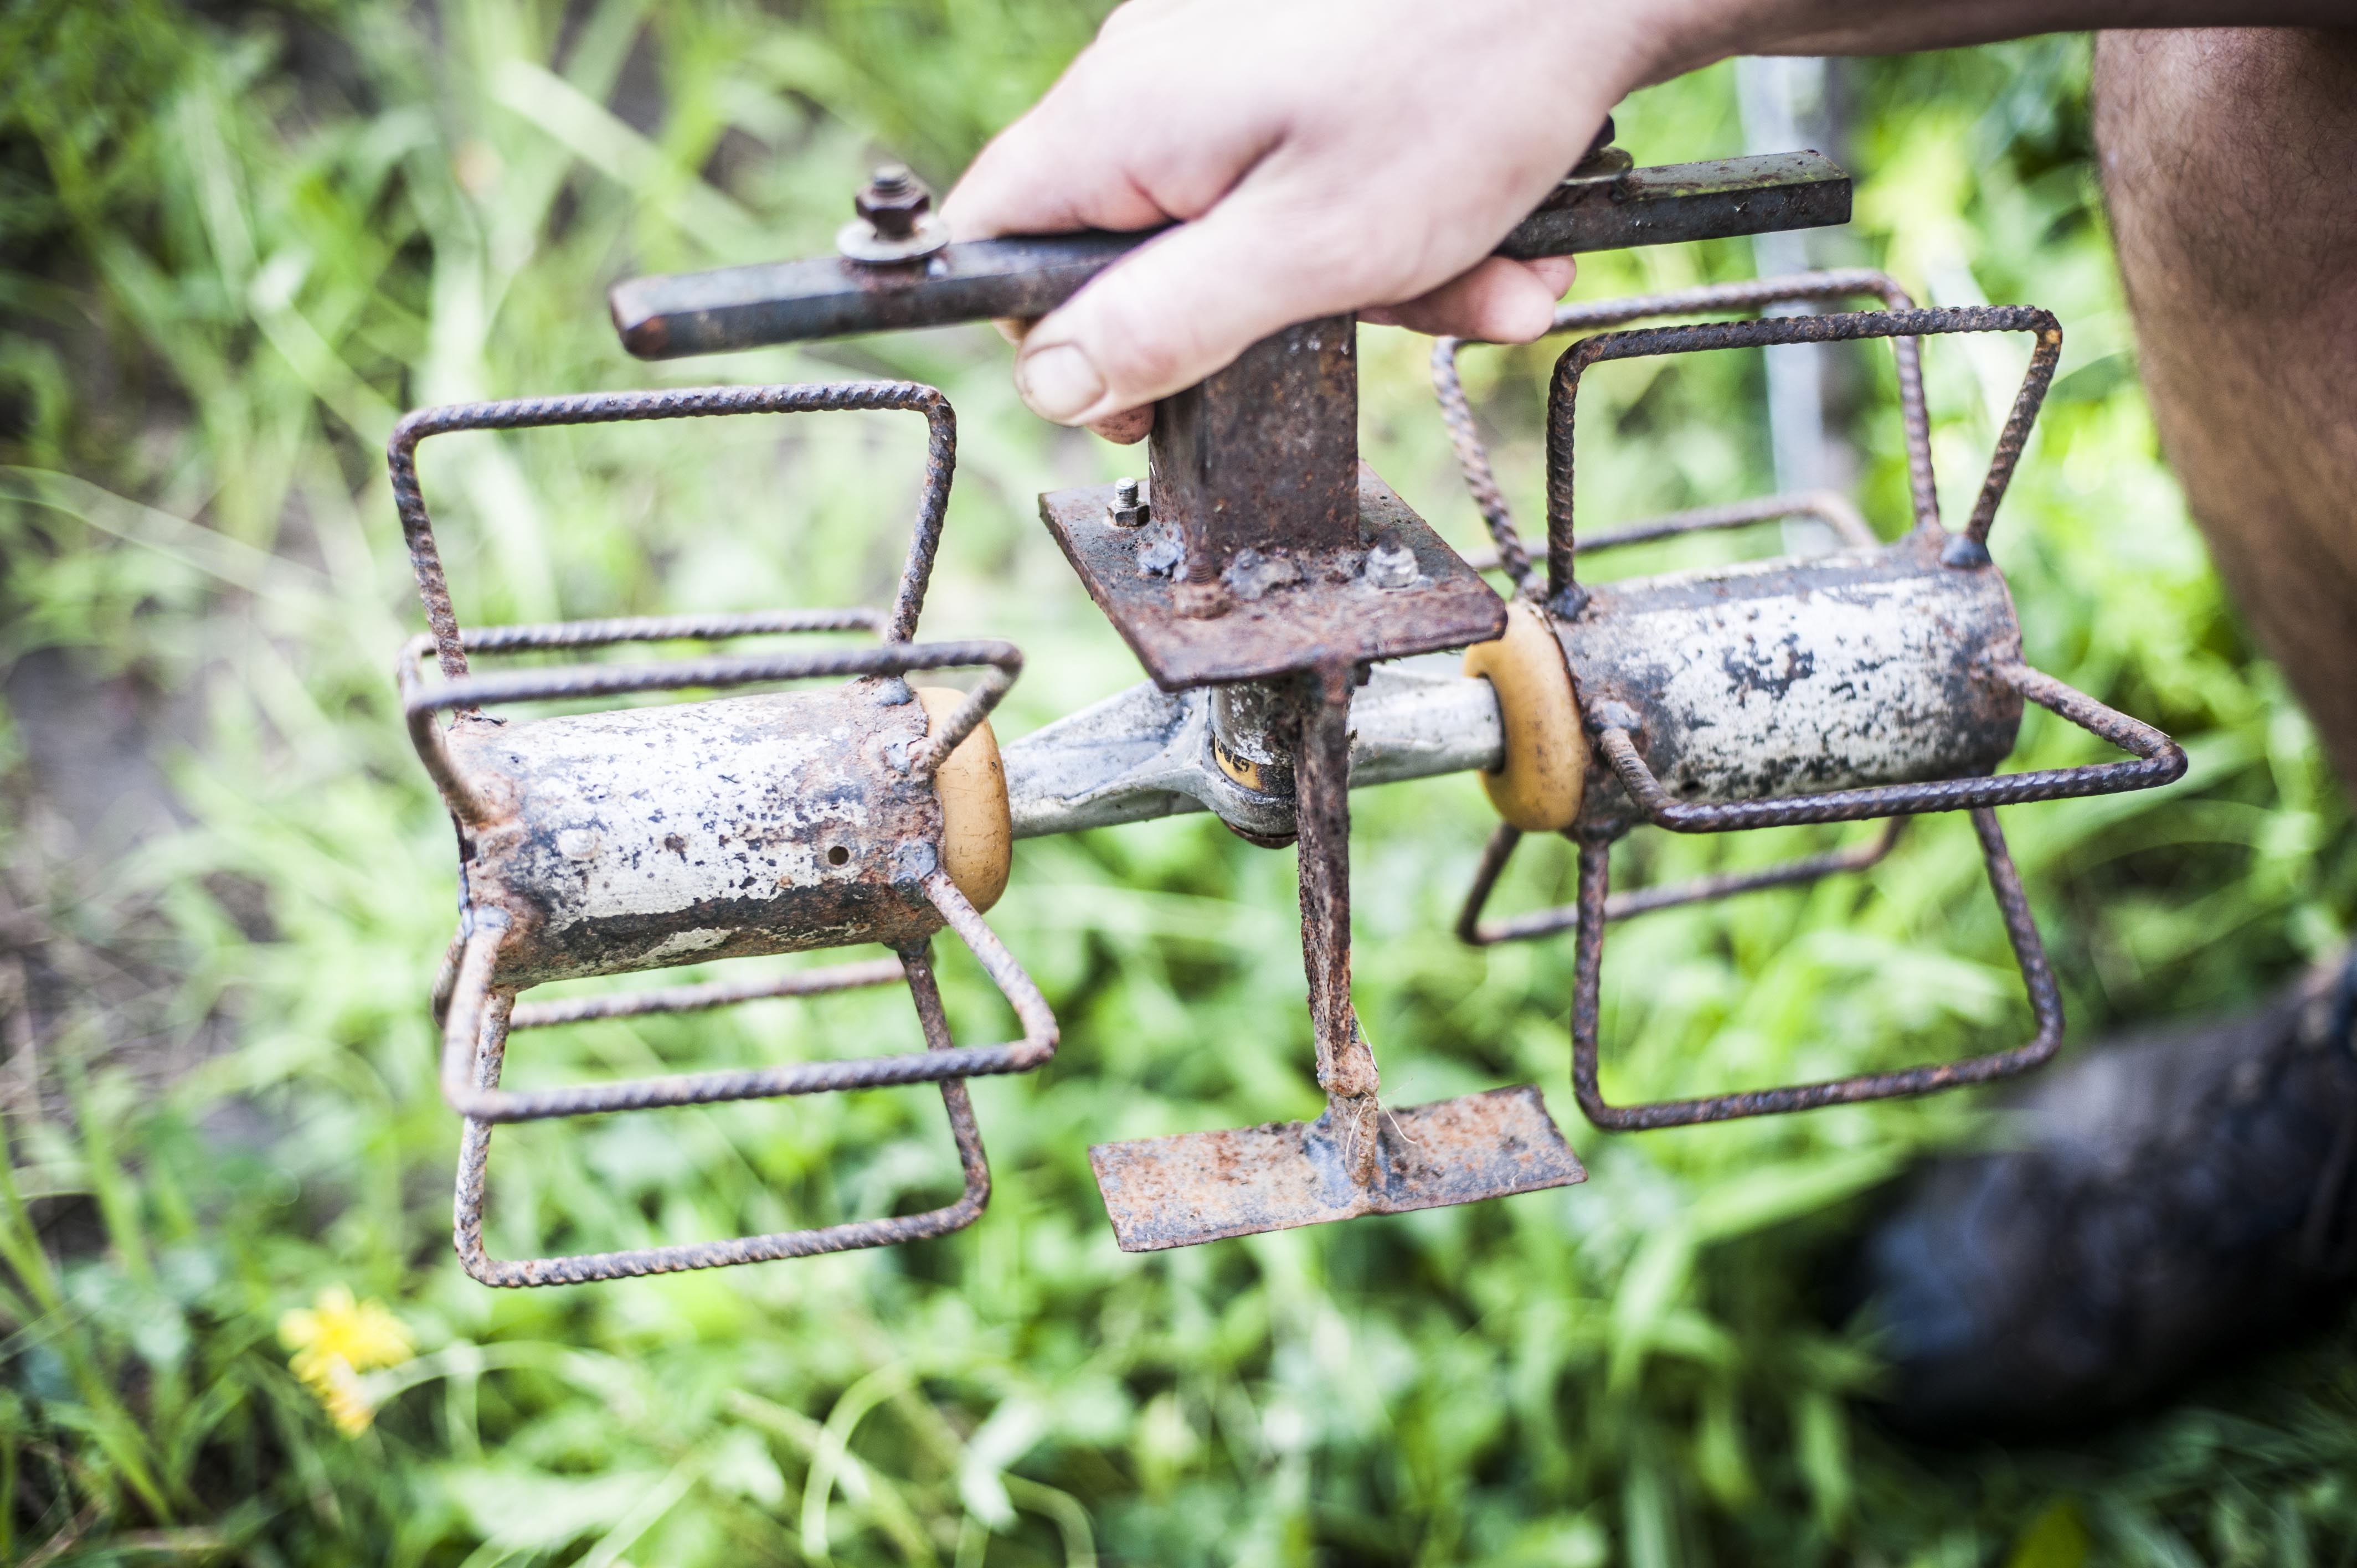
1204	1186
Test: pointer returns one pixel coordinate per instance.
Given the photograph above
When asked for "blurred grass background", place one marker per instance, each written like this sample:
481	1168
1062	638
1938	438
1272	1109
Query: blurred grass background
237	240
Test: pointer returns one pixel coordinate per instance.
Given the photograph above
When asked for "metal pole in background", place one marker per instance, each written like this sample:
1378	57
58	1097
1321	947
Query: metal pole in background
1782	99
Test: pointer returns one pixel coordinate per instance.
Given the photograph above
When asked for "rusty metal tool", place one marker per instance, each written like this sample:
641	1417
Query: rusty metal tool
1270	584
1881	681
1272	567
647	837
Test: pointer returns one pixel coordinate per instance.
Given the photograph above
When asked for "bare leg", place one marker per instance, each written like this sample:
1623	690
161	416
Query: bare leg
2229	164
2193	1194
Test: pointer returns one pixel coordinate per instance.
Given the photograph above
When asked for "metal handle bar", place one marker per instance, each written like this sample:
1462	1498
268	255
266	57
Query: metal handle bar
979	280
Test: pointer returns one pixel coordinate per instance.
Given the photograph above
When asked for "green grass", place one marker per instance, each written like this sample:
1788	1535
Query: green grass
234	245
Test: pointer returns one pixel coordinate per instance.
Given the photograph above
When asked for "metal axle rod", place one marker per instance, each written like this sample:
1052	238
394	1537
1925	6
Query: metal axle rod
1147	753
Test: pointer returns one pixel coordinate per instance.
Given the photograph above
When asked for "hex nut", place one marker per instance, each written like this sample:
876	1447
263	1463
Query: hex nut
1200	601
895	222
892	201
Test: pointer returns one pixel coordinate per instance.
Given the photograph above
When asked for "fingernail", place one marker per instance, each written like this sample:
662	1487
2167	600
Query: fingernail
1059	382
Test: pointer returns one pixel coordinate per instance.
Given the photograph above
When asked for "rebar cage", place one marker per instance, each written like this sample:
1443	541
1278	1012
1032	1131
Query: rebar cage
908	890
1625	790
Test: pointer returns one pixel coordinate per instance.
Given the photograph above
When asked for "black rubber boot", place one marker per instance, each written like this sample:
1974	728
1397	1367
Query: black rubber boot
2173	1201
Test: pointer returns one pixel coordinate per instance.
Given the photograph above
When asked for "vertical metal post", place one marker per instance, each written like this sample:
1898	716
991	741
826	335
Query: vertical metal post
1346	1066
1265	455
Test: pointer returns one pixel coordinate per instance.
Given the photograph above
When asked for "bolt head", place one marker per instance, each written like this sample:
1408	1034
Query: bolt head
1391	565
1128	510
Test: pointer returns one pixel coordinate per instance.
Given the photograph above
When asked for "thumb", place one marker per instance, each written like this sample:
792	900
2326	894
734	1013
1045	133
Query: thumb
1177	309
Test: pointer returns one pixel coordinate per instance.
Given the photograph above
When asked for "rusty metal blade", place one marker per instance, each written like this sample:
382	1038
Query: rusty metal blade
1202	1187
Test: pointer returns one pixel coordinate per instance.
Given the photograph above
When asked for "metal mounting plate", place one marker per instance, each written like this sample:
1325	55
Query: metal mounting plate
1327	613
1204	1186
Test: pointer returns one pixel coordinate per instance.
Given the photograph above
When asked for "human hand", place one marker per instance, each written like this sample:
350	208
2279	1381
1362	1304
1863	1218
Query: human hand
1320	156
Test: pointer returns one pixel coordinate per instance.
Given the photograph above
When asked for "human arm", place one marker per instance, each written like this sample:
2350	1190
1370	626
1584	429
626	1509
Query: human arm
1325	155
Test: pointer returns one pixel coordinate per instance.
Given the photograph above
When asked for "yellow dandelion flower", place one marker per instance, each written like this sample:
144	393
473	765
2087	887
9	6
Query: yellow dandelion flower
335	1339
338	1391
362	1334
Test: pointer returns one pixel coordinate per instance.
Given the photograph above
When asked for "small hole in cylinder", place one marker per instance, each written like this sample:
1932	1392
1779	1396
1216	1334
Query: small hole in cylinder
838	856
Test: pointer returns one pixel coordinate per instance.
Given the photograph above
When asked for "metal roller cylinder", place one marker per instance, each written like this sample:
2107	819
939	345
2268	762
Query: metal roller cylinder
1796	676
646	837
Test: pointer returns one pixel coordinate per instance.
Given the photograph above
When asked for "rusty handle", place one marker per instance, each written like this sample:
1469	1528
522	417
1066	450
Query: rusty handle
979	280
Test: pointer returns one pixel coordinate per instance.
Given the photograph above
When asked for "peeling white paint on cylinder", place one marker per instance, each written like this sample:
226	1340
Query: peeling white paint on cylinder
685	946
1796	676
644	836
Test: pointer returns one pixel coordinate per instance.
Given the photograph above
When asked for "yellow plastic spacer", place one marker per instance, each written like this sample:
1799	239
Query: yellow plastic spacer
977	828
1538	790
